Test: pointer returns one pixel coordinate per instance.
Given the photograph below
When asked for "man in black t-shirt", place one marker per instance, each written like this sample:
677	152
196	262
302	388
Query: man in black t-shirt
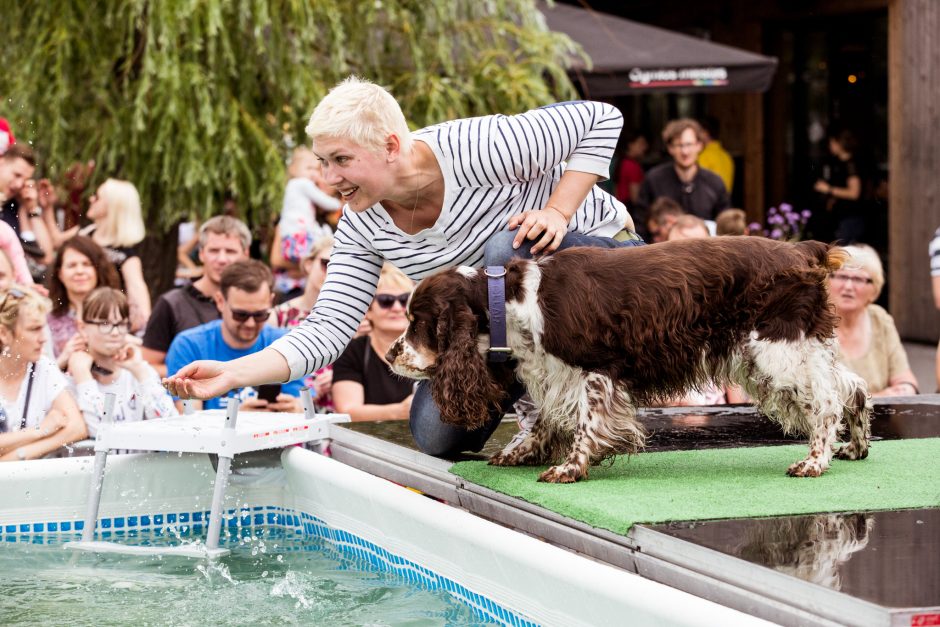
699	191
223	240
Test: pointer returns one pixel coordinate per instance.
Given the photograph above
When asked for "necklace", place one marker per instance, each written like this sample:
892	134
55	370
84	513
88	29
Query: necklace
411	224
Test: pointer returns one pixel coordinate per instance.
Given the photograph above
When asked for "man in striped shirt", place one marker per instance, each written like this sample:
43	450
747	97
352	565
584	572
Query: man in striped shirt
473	192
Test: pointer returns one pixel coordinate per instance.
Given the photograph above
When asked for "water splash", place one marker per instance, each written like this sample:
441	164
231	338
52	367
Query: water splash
290	586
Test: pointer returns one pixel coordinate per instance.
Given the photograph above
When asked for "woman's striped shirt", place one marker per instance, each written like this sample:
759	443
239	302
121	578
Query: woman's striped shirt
494	167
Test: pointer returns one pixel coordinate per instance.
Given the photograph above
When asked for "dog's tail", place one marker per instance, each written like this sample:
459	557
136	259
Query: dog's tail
826	256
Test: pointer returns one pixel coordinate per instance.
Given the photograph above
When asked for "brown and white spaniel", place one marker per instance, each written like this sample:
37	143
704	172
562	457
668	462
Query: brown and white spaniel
597	332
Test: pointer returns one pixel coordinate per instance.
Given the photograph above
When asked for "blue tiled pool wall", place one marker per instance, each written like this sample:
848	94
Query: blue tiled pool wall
185	522
273	517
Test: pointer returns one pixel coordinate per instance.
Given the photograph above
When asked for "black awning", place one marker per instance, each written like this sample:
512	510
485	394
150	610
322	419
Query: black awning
633	58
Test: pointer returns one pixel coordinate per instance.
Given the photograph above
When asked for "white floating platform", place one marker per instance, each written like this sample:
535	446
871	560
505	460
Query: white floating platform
204	432
199	551
225	433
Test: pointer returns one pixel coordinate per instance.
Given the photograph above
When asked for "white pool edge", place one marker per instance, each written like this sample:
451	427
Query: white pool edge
545	583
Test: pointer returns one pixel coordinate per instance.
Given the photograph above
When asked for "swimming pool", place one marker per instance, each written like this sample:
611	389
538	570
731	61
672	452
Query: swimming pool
497	575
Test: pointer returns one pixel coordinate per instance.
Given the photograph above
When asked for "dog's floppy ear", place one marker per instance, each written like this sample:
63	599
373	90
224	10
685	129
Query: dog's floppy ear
462	385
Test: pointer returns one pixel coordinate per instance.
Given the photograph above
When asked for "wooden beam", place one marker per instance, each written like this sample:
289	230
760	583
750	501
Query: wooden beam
914	162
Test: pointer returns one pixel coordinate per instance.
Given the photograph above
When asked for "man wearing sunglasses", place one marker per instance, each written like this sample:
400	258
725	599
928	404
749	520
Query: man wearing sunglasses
244	299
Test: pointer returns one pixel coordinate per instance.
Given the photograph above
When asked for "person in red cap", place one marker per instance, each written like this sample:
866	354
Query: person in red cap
6	136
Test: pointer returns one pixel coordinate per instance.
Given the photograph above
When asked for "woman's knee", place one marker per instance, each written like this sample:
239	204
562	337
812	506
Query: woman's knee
430	434
498	250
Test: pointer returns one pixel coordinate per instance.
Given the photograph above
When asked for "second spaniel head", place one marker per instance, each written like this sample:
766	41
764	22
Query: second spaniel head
447	314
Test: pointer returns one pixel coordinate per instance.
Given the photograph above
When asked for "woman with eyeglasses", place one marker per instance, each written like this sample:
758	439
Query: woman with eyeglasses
112	364
80	266
38	414
363	384
869	343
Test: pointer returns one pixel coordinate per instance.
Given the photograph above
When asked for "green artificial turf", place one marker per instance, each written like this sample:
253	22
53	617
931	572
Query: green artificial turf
726	483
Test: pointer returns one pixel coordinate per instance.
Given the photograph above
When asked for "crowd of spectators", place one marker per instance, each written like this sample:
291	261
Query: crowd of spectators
76	320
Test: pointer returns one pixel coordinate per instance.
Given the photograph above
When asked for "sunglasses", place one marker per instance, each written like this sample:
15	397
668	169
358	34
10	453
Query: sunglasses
240	315
324	263
385	301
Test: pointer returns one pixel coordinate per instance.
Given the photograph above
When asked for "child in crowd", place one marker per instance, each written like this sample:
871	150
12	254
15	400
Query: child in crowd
308	201
113	364
731	222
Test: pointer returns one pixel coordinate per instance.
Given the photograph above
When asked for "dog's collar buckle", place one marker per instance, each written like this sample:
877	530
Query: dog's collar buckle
499	350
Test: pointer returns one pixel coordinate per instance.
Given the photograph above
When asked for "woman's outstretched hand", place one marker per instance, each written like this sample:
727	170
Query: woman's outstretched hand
202	380
548	226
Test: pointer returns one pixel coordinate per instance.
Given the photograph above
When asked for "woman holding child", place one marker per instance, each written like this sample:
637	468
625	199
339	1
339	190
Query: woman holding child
470	192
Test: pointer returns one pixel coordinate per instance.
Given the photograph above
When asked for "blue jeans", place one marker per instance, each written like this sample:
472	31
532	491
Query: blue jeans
435	437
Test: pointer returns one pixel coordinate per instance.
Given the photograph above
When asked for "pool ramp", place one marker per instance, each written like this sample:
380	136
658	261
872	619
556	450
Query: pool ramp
216	432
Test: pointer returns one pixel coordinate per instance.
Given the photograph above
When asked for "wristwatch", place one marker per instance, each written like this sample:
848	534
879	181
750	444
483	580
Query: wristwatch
35	214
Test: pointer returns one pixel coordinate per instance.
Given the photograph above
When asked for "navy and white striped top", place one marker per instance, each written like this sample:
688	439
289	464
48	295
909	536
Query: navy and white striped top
494	167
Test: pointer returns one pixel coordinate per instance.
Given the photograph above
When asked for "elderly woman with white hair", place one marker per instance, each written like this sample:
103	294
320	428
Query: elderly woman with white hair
473	192
868	339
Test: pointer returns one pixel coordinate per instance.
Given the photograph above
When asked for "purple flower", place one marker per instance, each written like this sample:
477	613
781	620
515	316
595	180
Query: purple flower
775	219
786	207
806	213
754	227
776	234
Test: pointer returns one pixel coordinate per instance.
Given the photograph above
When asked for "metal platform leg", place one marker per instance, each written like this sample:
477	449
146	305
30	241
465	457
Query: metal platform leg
310	412
221	479
306	397
97	475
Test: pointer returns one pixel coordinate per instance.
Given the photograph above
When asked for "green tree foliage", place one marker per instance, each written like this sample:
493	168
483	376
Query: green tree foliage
190	99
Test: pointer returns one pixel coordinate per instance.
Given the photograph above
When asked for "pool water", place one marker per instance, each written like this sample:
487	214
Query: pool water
272	577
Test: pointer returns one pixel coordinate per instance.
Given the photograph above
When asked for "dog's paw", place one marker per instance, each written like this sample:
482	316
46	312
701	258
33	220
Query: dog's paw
503	459
565	473
806	468
853	451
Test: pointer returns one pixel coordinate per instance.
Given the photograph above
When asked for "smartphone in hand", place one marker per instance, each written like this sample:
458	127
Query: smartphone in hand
269	392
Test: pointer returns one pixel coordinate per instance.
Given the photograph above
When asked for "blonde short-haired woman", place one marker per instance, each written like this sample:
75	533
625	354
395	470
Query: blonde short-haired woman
474	192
